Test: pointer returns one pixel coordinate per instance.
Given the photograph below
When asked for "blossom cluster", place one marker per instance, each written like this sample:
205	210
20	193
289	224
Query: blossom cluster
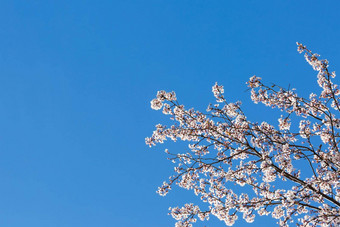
224	147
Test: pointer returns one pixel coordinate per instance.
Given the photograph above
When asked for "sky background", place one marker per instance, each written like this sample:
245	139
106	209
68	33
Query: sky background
77	77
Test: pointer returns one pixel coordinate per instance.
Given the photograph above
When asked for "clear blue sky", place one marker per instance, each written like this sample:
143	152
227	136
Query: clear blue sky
77	77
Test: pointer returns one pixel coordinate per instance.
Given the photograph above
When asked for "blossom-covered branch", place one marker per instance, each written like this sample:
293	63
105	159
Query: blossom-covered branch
225	148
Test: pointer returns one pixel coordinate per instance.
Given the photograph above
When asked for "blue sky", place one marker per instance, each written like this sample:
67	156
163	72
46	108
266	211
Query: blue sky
77	77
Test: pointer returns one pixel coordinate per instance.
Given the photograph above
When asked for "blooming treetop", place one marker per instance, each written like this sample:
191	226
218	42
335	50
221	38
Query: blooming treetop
224	147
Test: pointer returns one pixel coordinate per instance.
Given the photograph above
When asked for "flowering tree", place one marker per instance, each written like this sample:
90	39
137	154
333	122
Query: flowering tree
285	171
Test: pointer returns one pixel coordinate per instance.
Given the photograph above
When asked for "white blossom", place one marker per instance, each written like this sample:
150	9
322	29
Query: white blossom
156	104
